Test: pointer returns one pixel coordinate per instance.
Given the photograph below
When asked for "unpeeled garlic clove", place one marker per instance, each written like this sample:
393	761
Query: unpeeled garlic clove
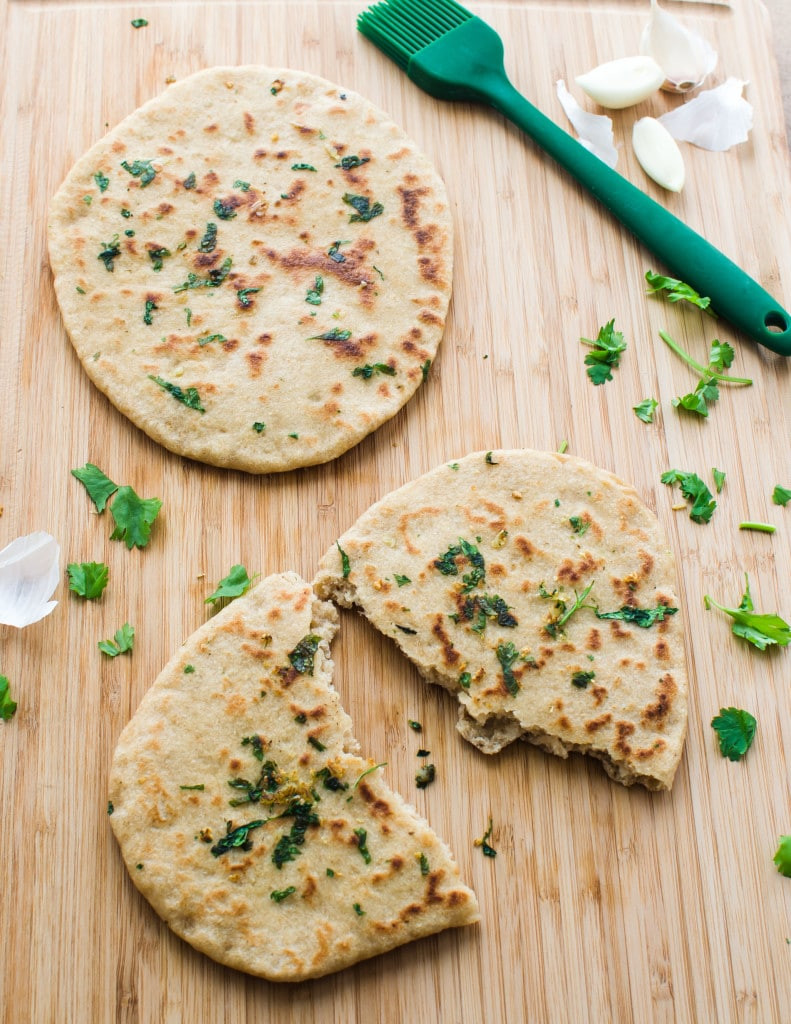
622	83
685	57
658	153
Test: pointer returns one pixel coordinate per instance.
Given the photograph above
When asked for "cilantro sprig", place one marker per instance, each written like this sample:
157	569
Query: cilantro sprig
606	353
694	490
88	579
121	643
133	515
645	410
735	729
677	291
236	583
759	629
706	391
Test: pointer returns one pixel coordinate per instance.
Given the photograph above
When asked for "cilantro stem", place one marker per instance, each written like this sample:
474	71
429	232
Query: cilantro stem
704	371
760	527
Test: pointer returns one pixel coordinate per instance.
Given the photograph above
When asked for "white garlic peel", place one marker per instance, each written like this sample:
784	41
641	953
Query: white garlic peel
29	574
594	131
715	119
685	57
658	153
622	83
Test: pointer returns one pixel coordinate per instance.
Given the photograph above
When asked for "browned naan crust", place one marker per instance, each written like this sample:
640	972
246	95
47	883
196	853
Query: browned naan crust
231	682
147	291
542	524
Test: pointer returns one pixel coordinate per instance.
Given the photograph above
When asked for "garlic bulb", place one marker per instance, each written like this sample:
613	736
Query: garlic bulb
684	56
658	154
29	573
715	119
622	83
593	130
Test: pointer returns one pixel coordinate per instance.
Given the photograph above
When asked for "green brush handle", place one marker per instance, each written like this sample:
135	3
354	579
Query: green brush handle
734	295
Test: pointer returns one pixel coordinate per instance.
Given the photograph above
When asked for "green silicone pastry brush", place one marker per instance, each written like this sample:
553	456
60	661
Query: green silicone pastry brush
454	55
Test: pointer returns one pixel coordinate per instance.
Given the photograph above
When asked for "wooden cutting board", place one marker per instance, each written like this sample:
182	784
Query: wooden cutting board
603	904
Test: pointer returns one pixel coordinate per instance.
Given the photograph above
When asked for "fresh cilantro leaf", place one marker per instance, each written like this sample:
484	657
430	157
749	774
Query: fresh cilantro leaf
782	857
88	579
720	357
315	293
402	581
278	895
236	583
109	253
694	490
367	371
303	654
676	291
133	517
581	679
706	393
507	654
781	495
758	629
122	642
606	354
7	706
735	730
579	525
645	410
98	486
719	478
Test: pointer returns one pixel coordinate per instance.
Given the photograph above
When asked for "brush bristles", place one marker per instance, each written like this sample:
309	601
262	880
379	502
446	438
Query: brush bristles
401	28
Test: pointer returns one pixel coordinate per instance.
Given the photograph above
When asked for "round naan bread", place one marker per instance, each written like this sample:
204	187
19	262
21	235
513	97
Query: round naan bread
245	815
541	591
254	267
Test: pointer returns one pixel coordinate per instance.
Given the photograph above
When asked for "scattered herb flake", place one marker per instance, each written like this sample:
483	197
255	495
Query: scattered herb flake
102	181
224	210
698	401
760	630
416	726
345	563
288	846
7	706
302	167
189	669
236	583
367	371
365	211
141	169
199	788
243	296
358	910
362	838
190	181
719	479
336	334
209	241
236	838
402	581
315	293
643	617
216	277
150	307
368	772
606	355
579	525
334	254
348	163
109	253
507	654
425	776
208	338
139	23
581	679
187	396
425	368
448	566
303	654
259	427
483	842
87	579
782	857
278	895
122	642
424	865
735	730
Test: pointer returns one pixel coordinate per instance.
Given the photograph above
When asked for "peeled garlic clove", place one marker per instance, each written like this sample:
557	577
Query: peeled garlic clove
622	83
658	153
594	131
716	119
684	56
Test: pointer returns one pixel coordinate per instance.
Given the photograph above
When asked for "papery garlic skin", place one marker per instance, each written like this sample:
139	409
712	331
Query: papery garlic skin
594	130
715	119
658	154
29	574
685	57
622	83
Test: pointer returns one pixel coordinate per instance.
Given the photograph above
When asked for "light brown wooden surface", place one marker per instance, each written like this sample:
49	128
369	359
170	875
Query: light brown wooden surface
604	904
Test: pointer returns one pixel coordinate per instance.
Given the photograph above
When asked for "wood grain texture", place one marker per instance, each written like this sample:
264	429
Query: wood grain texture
604	904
